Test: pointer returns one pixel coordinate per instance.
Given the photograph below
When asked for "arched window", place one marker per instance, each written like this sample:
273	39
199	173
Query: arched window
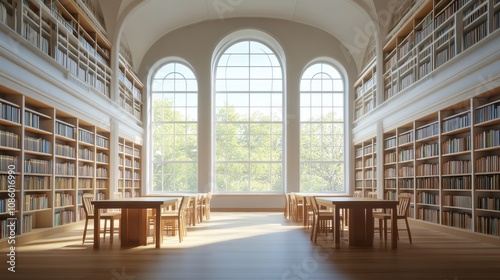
321	129
249	127
174	129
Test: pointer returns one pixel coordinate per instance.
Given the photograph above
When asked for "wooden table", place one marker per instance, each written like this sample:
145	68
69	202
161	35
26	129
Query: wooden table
360	218
134	223
303	195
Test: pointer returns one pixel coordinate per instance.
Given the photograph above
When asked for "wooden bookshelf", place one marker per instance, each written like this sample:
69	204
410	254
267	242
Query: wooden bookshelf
129	168
72	34
438	31
365	86
130	89
450	162
365	167
53	157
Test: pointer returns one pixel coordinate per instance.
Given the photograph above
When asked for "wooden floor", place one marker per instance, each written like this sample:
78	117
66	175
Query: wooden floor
255	246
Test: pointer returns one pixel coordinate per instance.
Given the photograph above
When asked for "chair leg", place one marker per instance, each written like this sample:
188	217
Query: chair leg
408	229
385	229
85	230
105	228
111	230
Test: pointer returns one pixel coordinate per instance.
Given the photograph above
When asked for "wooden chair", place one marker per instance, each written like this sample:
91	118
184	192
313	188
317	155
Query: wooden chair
89	215
193	210
309	219
206	206
402	214
176	219
322	219
297	207
357	194
286	209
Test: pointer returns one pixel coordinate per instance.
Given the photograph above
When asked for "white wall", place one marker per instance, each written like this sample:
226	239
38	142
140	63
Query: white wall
196	43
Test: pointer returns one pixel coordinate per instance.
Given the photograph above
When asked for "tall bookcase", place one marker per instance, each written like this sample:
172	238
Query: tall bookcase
53	157
130	88
129	168
450	162
437	32
72	34
365	167
365	86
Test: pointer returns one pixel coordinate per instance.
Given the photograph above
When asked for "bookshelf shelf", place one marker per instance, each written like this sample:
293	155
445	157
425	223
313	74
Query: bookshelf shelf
450	162
73	35
56	157
437	32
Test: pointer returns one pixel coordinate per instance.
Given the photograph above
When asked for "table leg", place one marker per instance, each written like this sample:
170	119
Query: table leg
97	225
369	226
158	226
336	227
394	228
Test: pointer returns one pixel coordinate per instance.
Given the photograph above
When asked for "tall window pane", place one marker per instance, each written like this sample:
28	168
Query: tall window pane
321	129
175	129
248	120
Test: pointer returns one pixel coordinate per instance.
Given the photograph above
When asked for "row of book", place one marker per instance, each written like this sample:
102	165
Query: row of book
63	199
65	130
430	183
102	158
5	229
429	215
36	202
427	150
101	141
38	166
487	113
62	183
10	112
86	154
488	164
40	145
487	139
65	168
64	217
9	139
428	169
457	183
65	150
488	225
428	198
489	203
36	183
454	167
7	161
457	219
457	145
488	182
475	35
457	122
86	136
406	155
462	201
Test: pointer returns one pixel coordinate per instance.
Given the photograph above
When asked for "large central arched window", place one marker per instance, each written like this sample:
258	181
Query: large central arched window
174	129
248	126
321	129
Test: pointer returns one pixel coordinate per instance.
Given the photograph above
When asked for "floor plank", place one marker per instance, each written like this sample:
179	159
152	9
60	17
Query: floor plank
257	246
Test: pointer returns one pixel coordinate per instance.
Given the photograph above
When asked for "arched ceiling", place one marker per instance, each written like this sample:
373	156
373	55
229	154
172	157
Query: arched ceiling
146	21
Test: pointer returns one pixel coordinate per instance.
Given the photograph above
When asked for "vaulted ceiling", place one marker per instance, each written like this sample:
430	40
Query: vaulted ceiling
143	22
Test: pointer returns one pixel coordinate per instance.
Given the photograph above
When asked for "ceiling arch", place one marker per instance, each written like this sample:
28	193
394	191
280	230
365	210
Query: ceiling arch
146	21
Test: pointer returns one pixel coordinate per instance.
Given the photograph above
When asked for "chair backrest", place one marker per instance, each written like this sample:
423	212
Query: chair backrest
404	204
87	205
314	204
357	194
184	204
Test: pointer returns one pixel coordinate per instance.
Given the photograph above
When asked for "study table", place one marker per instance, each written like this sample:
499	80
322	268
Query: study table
360	218
300	196
134	223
